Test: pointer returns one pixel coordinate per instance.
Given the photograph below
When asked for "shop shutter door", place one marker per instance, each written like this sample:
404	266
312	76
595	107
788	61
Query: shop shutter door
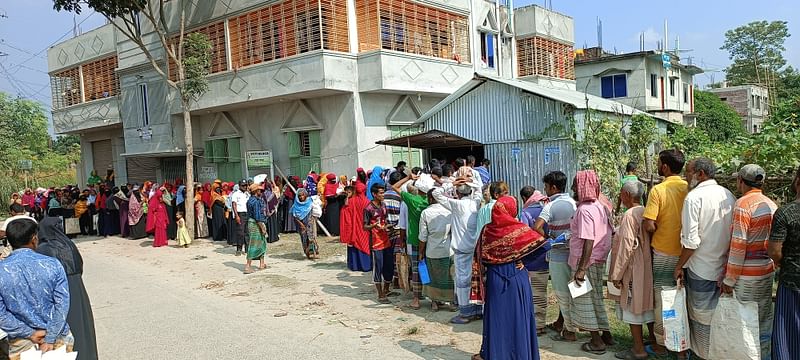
103	159
141	169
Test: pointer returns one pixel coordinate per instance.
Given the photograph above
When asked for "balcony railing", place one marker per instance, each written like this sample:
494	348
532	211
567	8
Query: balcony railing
99	81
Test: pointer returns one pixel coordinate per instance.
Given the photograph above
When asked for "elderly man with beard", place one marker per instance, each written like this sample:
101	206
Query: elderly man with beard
705	239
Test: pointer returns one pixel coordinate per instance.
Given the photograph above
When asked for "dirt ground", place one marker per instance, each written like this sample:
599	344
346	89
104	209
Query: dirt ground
306	299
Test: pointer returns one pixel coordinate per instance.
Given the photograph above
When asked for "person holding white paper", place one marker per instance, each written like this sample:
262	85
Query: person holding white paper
589	246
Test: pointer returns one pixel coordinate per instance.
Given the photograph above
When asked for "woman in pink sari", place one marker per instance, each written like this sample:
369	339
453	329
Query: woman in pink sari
157	218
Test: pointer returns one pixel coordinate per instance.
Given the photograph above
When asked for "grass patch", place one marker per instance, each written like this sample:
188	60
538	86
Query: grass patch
412	331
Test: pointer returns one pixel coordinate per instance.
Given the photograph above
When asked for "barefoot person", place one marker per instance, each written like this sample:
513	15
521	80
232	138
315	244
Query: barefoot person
257	228
631	271
382	251
302	215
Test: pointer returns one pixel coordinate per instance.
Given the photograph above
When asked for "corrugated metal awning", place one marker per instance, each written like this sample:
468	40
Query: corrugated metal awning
431	139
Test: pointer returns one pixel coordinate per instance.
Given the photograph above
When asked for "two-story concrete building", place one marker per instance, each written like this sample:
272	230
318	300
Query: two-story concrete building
751	102
640	80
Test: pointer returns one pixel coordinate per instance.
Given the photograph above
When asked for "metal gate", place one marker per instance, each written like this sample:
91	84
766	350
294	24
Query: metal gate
173	168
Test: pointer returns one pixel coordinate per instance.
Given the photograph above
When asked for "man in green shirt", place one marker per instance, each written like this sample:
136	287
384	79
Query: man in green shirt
415	204
630	175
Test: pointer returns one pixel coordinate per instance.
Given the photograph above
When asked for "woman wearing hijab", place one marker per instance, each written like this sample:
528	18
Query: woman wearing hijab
110	178
83	214
217	212
289	226
54	243
112	212
180	199
157	220
269	195
301	212
333	205
137	219
375	178
501	281
121	200
352	231
201	222
169	202
256	228
311	183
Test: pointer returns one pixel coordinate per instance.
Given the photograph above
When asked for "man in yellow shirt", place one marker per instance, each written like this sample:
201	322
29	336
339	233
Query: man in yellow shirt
662	218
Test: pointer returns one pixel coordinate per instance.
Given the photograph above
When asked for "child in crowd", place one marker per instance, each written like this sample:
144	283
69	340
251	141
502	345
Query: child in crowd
183	234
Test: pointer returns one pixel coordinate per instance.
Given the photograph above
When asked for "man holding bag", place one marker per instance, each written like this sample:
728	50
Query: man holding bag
750	270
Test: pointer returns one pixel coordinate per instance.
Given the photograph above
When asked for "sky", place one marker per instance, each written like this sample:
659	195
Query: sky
29	27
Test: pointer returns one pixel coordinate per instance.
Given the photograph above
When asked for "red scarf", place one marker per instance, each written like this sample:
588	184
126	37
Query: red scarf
504	240
331	187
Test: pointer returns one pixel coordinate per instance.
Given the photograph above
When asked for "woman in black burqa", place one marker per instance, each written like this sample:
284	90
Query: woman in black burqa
54	243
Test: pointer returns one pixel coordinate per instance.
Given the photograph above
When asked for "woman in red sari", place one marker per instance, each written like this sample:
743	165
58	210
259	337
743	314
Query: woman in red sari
158	219
352	228
501	281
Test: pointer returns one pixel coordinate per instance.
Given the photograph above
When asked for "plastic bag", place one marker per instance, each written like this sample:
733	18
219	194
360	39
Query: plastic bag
316	206
424	276
425	183
734	330
676	318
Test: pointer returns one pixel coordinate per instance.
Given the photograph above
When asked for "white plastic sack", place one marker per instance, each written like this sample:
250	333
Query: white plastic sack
734	330
425	183
72	226
676	319
316	206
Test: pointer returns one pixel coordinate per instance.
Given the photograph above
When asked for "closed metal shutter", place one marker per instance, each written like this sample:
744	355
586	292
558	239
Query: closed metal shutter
103	159
141	169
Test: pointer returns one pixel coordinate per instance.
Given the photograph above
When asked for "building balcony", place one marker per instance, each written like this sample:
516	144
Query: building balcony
315	73
393	71
92	115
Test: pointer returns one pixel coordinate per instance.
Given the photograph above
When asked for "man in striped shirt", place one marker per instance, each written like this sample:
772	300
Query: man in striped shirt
750	270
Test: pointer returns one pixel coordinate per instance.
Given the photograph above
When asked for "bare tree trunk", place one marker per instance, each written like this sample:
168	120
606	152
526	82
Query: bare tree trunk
187	134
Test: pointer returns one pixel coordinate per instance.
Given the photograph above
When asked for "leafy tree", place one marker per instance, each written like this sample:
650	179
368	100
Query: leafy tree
188	54
788	84
600	148
66	144
757	52
719	121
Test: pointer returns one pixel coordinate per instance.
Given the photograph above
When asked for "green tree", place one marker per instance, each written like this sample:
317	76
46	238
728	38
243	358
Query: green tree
757	52
599	146
716	118
186	56
66	144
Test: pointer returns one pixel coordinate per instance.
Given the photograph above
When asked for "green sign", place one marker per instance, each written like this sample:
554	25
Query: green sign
258	159
25	164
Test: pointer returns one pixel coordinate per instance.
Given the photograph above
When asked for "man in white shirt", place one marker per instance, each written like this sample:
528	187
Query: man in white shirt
239	206
705	239
463	225
435	250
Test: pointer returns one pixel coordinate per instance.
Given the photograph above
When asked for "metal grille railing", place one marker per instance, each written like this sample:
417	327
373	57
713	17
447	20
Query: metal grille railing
100	79
539	56
66	88
402	25
288	28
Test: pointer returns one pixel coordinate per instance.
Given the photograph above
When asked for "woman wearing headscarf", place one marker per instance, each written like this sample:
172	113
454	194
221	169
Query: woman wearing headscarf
28	200
217	212
301	212
589	245
536	262
289	226
112	212
501	281
157	208
269	195
201	222
110	179
374	178
94	179
169	201
311	183
352	231
121	200
100	204
333	205
256	228
54	243
137	219
180	199
83	215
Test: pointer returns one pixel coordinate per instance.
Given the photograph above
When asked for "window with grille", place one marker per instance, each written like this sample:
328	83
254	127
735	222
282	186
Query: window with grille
145	104
654	85
216	35
685	93
672	87
100	79
288	28
305	143
403	25
66	88
538	56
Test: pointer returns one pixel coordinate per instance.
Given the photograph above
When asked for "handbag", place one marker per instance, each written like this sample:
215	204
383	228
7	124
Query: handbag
676	319
424	275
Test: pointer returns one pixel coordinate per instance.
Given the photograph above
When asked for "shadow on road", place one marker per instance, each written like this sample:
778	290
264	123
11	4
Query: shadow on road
434	352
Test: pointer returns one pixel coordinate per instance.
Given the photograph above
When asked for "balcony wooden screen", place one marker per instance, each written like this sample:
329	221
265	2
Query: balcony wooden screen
288	28
66	88
100	79
216	35
402	25
539	56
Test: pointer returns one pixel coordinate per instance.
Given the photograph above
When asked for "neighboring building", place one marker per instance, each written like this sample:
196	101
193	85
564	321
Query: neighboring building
749	101
640	80
519	125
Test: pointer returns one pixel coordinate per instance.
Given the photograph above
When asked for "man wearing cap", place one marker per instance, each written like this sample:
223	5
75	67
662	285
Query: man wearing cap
750	270
239	204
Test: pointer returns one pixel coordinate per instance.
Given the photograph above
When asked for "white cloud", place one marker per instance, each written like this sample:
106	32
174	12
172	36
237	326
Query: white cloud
651	38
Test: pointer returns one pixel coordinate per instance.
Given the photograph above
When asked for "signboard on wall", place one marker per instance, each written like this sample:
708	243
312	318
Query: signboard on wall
550	152
207	174
258	159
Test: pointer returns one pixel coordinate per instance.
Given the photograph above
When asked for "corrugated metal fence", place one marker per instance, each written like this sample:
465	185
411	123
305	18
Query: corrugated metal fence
525	163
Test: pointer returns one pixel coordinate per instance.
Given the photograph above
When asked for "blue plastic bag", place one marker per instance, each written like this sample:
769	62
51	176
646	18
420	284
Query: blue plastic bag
424	276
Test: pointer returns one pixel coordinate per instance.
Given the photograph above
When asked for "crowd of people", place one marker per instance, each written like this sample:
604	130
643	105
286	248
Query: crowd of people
452	236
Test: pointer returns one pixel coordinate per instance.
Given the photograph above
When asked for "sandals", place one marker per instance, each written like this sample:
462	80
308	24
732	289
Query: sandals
560	337
629	355
460	320
649	350
552	326
587	347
